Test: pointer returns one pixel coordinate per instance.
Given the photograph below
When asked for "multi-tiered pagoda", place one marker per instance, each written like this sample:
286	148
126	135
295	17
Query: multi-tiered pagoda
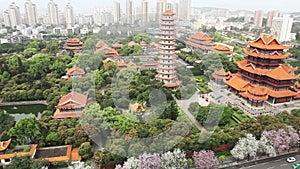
200	41
74	45
166	70
263	76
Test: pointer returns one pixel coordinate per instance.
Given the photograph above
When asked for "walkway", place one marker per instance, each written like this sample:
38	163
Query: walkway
184	105
24	103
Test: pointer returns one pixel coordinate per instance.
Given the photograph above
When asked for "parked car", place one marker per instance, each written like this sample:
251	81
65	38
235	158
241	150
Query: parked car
295	166
291	159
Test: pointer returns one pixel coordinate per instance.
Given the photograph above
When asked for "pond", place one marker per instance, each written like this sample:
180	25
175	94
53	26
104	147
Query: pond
22	111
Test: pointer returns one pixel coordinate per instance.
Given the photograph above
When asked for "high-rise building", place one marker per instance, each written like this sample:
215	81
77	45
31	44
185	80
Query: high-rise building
166	71
103	15
30	13
14	15
53	13
271	15
145	11
161	6
85	19
69	15
117	12
6	18
258	18
129	12
175	9
282	26
185	10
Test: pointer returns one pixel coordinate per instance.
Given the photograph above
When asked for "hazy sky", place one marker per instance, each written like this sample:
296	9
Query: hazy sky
87	6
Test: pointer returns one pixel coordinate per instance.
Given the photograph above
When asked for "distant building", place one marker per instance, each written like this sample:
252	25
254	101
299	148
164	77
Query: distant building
129	12
117	12
271	15
160	8
166	71
70	105
282	26
74	45
258	18
12	16
69	15
103	15
145	12
53	13
30	13
185	9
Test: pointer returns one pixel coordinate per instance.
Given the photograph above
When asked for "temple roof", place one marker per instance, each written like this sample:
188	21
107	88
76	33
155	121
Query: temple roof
282	72
4	145
274	55
267	42
131	43
137	107
237	83
111	52
178	83
74	40
201	36
73	98
75	71
101	44
168	12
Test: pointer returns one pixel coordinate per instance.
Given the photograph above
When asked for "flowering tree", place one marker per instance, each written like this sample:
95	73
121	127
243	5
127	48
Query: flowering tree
282	139
173	160
205	159
149	161
131	163
279	139
264	147
293	135
246	147
79	165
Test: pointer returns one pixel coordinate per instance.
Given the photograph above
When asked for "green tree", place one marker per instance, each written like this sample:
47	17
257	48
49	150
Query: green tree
141	37
25	162
29	52
85	150
6	121
26	131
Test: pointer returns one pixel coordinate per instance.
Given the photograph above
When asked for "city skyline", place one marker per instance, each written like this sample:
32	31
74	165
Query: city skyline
87	6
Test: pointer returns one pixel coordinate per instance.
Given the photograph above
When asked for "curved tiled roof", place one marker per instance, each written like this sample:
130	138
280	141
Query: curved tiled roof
72	100
267	42
168	12
237	83
4	145
279	73
258	90
75	71
274	55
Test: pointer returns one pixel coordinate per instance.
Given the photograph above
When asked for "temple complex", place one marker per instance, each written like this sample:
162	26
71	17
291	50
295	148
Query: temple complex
166	71
74	45
263	78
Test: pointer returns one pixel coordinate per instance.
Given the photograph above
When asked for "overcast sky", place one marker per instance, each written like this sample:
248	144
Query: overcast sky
87	6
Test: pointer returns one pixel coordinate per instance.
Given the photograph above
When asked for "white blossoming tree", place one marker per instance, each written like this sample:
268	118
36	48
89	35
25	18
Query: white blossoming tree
264	147
173	160
79	165
246	147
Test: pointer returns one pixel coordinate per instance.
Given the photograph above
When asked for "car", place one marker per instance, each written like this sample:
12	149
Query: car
295	166
291	159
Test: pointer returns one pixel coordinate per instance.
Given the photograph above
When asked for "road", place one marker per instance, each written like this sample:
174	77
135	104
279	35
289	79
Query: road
276	164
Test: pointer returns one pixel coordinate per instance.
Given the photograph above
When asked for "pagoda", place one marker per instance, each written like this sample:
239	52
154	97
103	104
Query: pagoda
74	45
263	76
200	41
166	71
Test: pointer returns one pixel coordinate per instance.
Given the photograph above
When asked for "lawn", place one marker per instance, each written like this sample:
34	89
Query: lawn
240	117
202	83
